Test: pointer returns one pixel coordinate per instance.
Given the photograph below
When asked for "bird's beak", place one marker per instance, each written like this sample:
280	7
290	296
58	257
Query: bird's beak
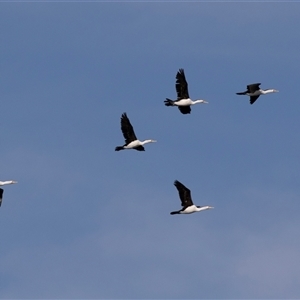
210	207
154	141
276	91
205	102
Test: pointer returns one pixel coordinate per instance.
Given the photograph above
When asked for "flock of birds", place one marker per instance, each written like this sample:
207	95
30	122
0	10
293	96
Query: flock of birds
183	103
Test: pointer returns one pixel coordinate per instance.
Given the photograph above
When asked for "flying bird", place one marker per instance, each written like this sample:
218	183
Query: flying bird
187	204
254	91
1	190
131	141
183	101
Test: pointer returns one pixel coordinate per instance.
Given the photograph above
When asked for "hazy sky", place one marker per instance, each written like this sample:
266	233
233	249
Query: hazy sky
85	221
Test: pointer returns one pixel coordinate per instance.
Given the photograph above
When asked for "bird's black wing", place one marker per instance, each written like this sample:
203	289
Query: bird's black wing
140	148
185	109
181	85
251	88
184	194
253	99
1	194
127	129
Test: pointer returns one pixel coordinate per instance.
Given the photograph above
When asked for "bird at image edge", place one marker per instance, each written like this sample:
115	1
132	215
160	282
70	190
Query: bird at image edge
5	183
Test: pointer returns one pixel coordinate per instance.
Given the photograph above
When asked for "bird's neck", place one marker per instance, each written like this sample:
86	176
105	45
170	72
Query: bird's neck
202	208
197	101
267	91
146	142
6	182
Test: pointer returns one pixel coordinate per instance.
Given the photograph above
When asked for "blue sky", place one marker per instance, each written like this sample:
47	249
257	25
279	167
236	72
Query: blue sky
85	221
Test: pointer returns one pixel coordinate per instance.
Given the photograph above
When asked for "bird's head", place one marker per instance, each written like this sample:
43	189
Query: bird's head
267	91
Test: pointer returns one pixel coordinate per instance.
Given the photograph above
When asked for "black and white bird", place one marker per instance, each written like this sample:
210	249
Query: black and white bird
187	204
254	91
5	183
183	101
131	142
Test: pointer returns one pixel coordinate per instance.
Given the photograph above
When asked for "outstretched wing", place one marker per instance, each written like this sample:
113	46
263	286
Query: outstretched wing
1	194
253	99
185	109
127	129
181	85
251	88
184	194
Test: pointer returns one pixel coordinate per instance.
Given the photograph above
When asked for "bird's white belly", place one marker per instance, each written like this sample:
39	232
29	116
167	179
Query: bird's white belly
256	93
133	144
183	102
190	210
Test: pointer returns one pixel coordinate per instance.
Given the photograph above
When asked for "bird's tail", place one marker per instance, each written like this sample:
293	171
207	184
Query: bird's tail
118	148
241	93
169	102
174	212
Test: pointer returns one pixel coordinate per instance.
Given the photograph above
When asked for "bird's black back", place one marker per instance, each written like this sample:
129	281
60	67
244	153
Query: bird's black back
251	88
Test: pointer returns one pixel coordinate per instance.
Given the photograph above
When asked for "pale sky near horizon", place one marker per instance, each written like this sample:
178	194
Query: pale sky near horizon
87	222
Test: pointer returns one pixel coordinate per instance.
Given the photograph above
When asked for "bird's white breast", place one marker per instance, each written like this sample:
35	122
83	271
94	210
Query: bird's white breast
256	93
183	102
133	144
190	209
